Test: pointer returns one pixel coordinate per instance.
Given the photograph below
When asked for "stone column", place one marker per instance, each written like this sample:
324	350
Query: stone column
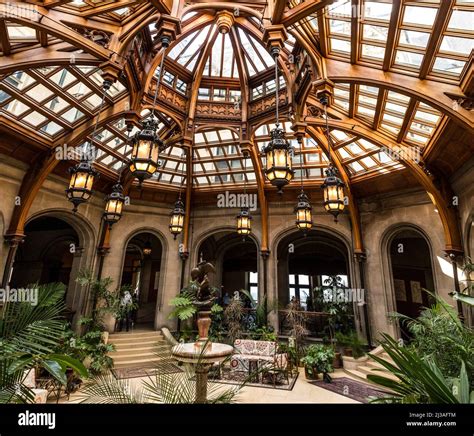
13	242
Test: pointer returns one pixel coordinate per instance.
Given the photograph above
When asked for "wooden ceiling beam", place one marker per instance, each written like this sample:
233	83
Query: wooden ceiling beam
440	24
278	9
395	19
353	208
430	92
304	10
356	9
447	214
4	39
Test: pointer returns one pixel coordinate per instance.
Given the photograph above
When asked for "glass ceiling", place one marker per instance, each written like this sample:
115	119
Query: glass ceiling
221	61
419	25
53	101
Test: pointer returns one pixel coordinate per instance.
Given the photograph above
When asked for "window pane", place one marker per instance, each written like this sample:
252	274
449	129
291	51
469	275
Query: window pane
463	20
419	39
373	51
380	11
303	279
340	45
457	45
449	66
292	279
375	32
408	58
419	15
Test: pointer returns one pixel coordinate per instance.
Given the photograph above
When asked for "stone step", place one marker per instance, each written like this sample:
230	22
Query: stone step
146	355
134	336
375	365
134	362
132	351
370	370
140	343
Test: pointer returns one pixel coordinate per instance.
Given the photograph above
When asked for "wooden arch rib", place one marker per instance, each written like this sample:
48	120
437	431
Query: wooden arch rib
447	214
45	164
352	206
51	22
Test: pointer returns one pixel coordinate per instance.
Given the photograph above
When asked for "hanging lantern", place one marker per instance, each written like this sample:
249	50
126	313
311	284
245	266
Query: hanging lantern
278	160
304	219
244	222
114	205
145	149
80	185
177	218
333	192
147	248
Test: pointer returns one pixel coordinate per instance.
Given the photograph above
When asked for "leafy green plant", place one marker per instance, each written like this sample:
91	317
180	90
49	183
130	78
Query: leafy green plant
439	335
233	315
264	334
318	358
163	387
420	380
351	340
29	336
105	301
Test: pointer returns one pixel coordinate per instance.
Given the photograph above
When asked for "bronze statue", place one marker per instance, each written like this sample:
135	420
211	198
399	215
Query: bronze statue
199	274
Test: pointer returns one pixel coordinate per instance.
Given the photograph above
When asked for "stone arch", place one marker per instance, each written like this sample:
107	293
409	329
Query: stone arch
387	271
221	252
84	254
164	258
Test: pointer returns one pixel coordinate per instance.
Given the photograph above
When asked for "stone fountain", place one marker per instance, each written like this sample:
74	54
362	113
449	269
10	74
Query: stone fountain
203	353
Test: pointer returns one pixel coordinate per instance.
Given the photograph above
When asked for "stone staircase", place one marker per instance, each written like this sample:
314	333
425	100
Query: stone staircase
369	366
139	348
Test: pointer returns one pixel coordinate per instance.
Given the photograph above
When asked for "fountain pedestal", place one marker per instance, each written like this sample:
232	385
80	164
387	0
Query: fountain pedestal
202	356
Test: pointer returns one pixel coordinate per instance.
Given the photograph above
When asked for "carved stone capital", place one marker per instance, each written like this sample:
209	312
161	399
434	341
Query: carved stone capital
14	240
360	256
265	254
184	255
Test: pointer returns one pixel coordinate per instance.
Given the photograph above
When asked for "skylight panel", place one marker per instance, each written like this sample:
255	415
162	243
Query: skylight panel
34	118
413	38
418	15
16	108
373	51
19	80
453	44
462	20
378	33
378	11
408	58
448	66
39	93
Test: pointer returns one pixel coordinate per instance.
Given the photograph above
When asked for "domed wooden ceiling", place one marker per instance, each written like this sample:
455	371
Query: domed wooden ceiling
401	74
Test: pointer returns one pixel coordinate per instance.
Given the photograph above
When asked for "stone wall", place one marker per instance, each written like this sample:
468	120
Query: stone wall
381	217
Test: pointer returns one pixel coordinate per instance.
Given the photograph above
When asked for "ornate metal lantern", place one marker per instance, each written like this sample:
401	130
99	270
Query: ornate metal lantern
333	192
114	205
244	222
304	219
278	167
145	150
177	218
80	185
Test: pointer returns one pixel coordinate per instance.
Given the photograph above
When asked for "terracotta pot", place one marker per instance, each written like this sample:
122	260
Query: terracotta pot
348	352
337	361
313	376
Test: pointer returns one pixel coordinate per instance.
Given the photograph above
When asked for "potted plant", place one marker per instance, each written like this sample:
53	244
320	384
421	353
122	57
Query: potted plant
318	359
353	349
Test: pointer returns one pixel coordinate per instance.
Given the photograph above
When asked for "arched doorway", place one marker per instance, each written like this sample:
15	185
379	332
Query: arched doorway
235	261
50	253
141	271
47	255
308	268
411	264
